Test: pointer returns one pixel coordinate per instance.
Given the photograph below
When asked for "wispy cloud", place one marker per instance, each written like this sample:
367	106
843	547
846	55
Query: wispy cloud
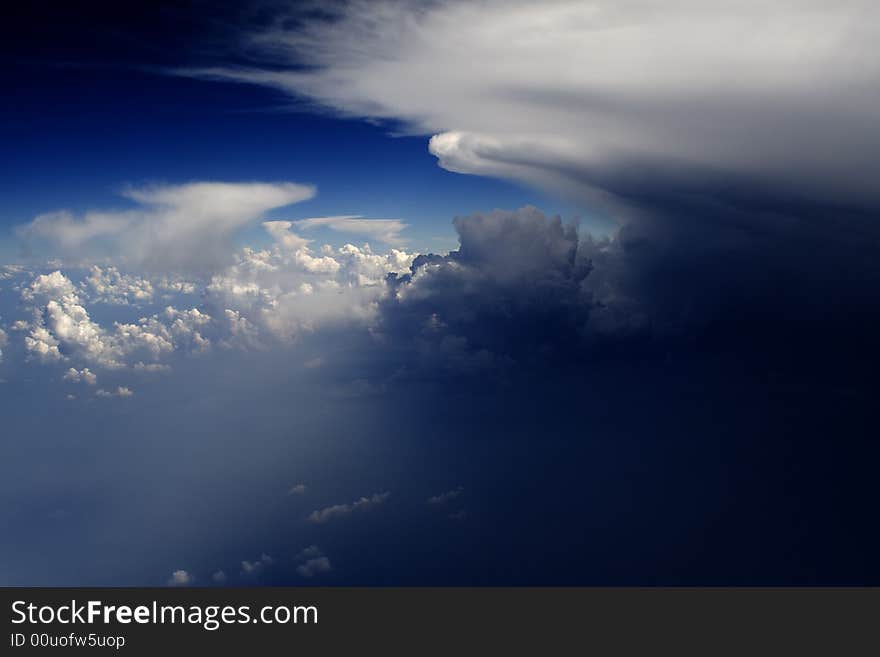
382	230
321	516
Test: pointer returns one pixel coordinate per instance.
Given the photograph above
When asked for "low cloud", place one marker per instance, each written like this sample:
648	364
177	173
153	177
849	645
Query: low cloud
76	376
180	578
321	516
121	391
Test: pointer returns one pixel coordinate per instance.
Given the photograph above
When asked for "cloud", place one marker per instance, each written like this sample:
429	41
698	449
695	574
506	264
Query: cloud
219	577
61	328
180	578
597	100
121	391
151	367
448	496
254	568
321	516
316	566
314	562
298	489
382	230
85	375
109	286
182	227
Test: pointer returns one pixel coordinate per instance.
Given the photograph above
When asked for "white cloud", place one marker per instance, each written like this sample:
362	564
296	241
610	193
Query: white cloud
61	327
219	577
10	271
288	289
298	489
185	227
76	376
180	578
383	230
321	516
110	286
586	97
151	368
121	391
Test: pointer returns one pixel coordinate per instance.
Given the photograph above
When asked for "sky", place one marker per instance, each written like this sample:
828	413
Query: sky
439	293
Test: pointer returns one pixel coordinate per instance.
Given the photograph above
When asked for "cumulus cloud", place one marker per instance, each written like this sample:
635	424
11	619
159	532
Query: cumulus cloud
594	99
180	578
182	227
298	489
108	285
382	230
61	327
85	376
321	516
290	288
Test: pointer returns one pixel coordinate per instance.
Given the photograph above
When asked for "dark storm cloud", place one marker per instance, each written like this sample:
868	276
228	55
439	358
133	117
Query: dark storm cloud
524	289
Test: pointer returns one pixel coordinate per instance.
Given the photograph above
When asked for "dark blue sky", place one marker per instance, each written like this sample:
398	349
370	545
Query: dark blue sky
93	111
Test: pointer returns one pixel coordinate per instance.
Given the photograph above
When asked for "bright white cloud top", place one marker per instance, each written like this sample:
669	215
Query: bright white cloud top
576	96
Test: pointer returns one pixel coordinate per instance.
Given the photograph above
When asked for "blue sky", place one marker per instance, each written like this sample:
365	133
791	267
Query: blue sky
74	136
616	322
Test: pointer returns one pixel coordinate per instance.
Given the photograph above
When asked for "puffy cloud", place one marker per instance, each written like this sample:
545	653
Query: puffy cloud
289	289
383	230
108	285
589	98
60	320
448	496
298	489
321	516
180	578
219	577
85	376
62	327
183	227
